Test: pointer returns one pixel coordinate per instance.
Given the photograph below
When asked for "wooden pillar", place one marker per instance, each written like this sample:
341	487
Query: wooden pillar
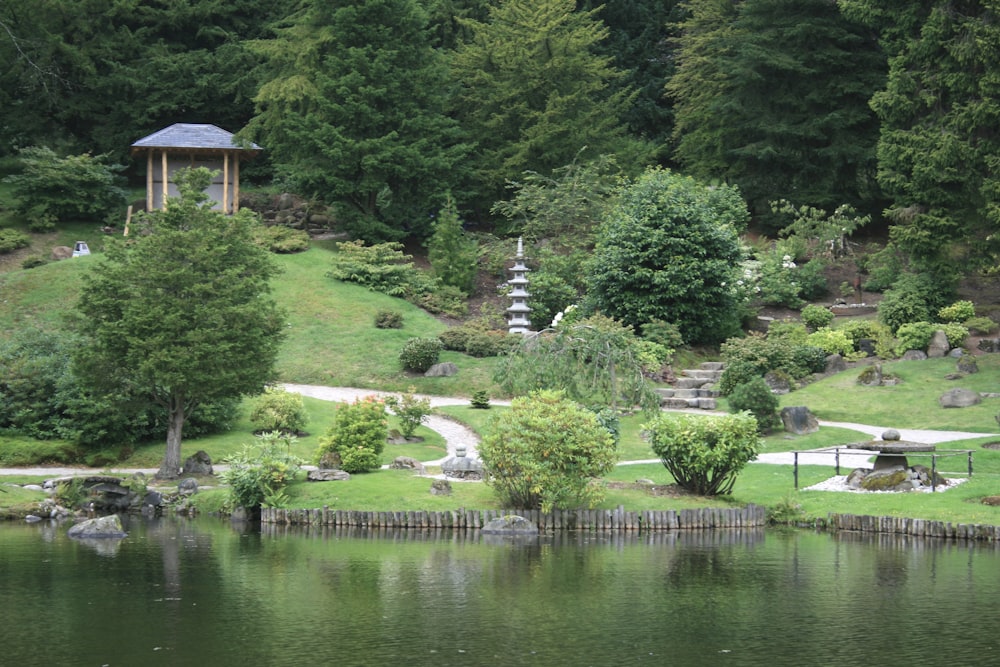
149	180
163	161
236	182
225	182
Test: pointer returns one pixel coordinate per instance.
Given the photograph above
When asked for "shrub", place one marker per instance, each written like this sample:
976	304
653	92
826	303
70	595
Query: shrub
281	239
736	373
956	333
388	319
456	338
32	262
452	253
960	311
912	299
756	398
257	474
357	435
858	329
788	331
12	239
753	355
419	354
704	455
280	411
480	400
545	452
410	410
808	358
441	299
77	187
666	334
487	343
833	341
914	336
382	267
981	325
817	317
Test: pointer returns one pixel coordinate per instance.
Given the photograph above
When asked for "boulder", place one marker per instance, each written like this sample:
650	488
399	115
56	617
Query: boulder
199	463
101	527
61	252
959	398
510	525
890	435
408	463
967	364
440	487
914	355
778	383
188	486
939	346
989	344
867	345
835	364
799	420
892	479
328	475
957	352
445	370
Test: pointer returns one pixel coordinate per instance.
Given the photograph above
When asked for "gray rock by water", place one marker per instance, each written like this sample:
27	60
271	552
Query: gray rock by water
799	420
101	527
959	398
187	486
199	463
510	525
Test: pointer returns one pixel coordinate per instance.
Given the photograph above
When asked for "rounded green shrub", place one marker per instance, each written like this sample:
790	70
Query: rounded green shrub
981	325
809	358
956	333
278	410
959	311
833	341
913	298
914	336
357	435
419	354
736	373
756	398
388	319
817	317
666	334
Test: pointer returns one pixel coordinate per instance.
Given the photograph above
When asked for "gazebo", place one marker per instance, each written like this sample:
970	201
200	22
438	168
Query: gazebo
193	145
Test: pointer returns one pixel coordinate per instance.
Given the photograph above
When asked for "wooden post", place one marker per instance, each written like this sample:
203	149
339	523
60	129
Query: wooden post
149	180
225	182
163	167
236	182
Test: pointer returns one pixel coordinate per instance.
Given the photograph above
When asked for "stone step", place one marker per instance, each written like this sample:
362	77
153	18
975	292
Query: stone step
702	374
677	403
690	382
712	366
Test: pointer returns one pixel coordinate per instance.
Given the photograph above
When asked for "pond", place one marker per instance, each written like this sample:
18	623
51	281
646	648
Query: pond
180	592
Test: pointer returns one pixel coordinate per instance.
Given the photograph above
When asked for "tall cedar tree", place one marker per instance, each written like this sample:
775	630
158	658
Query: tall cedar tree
352	110
453	254
533	92
180	311
772	95
940	132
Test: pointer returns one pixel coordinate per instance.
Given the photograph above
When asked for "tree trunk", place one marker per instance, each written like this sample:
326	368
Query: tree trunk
171	467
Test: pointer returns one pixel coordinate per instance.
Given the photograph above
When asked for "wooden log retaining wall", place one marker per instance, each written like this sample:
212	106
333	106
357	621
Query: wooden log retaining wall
586	520
893	525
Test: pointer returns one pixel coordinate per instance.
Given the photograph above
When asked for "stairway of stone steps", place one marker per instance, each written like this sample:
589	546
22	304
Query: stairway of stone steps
694	388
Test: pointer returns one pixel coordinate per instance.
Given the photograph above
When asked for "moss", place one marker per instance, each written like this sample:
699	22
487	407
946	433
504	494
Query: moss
887	482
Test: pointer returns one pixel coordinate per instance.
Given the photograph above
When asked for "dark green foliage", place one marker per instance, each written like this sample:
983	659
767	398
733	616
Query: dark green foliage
357	435
809	358
756	398
772	96
419	354
669	251
556	284
280	239
756	355
981	325
32	262
547	452
666	334
816	316
736	373
704	455
11	240
451	252
476	340
80	187
914	336
881	268
440	299
388	319
382	267
913	298
352	110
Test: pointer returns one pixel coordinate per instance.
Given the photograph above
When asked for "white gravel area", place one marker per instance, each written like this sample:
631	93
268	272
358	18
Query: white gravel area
839	483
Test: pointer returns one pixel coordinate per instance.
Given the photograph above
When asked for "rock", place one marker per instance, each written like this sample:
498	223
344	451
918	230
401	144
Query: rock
510	525
61	252
959	398
188	486
32	487
152	499
199	463
887	480
799	420
957	352
967	364
871	376
330	461
442	370
938	347
285	201
835	364
989	344
645	482
890	434
440	487
855	476
778	383
101	527
867	345
31	518
407	463
328	475
914	355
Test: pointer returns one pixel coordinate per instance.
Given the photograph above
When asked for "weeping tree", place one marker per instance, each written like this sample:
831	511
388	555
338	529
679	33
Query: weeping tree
596	361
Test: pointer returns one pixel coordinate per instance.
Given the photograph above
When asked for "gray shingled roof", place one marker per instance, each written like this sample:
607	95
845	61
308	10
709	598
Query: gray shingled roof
192	135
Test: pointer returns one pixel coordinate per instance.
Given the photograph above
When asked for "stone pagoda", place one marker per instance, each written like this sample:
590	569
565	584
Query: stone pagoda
517	314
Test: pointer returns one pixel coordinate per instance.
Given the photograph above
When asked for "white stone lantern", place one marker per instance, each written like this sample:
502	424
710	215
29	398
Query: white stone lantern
517	314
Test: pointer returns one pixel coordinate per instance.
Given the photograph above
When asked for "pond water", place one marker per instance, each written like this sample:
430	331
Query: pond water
185	592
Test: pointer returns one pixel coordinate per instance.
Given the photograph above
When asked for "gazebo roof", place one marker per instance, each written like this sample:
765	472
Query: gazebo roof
199	136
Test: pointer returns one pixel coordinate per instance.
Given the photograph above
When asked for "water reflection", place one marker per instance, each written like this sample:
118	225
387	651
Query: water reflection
211	592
